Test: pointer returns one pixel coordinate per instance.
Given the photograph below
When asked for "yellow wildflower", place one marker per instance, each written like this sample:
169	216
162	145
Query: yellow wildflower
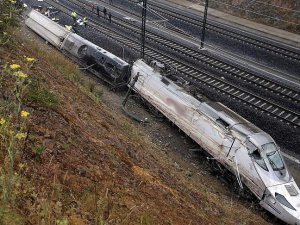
20	74
2	121
14	66
28	59
21	135
24	114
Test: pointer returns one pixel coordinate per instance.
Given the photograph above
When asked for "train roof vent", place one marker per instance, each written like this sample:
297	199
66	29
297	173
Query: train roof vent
291	190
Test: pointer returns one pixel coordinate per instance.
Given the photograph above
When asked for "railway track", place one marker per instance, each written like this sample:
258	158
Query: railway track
197	77
224	30
288	94
219	65
221	29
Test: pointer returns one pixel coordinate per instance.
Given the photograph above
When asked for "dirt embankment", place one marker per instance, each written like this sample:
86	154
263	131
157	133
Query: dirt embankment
282	14
83	163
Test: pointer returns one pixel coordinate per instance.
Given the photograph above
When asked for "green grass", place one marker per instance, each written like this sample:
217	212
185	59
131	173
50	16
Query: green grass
42	97
38	150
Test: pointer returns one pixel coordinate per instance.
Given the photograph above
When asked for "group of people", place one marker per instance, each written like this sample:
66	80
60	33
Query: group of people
76	22
105	14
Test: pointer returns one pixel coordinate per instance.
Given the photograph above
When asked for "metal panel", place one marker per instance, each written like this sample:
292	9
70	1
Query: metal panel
46	28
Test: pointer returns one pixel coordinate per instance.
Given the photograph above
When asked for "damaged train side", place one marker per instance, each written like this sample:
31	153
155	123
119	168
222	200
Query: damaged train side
102	63
244	149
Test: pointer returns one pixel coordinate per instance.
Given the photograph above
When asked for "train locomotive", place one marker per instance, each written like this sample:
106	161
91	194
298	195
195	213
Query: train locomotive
245	150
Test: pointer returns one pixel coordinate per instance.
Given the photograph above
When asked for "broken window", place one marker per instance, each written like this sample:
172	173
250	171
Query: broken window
259	160
254	152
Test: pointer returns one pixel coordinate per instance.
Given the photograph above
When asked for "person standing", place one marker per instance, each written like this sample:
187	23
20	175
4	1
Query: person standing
110	2
98	10
74	27
85	21
47	13
69	28
74	15
104	12
109	17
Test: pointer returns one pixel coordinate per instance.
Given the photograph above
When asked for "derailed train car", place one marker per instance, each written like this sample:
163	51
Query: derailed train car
104	64
244	149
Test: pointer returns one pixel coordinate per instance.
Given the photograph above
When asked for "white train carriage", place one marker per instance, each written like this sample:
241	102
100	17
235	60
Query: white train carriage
46	28
244	149
102	63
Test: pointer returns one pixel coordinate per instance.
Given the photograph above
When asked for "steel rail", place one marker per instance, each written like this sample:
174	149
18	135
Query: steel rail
216	64
219	28
196	77
237	35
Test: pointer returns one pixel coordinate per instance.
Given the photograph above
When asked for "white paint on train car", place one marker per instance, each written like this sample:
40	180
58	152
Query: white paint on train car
46	28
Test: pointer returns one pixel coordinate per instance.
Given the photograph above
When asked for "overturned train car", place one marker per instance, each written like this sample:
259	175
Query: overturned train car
102	63
244	149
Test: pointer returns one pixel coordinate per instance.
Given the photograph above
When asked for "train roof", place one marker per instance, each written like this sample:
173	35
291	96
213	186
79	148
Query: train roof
230	119
96	50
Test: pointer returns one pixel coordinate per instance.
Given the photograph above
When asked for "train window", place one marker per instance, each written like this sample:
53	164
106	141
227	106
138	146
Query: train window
82	51
110	66
270	147
275	161
253	152
102	60
68	44
259	160
280	198
165	81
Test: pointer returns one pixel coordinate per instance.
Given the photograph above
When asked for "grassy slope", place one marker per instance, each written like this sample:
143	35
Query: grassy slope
94	166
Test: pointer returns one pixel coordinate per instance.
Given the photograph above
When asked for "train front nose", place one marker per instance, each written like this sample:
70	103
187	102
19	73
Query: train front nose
284	202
